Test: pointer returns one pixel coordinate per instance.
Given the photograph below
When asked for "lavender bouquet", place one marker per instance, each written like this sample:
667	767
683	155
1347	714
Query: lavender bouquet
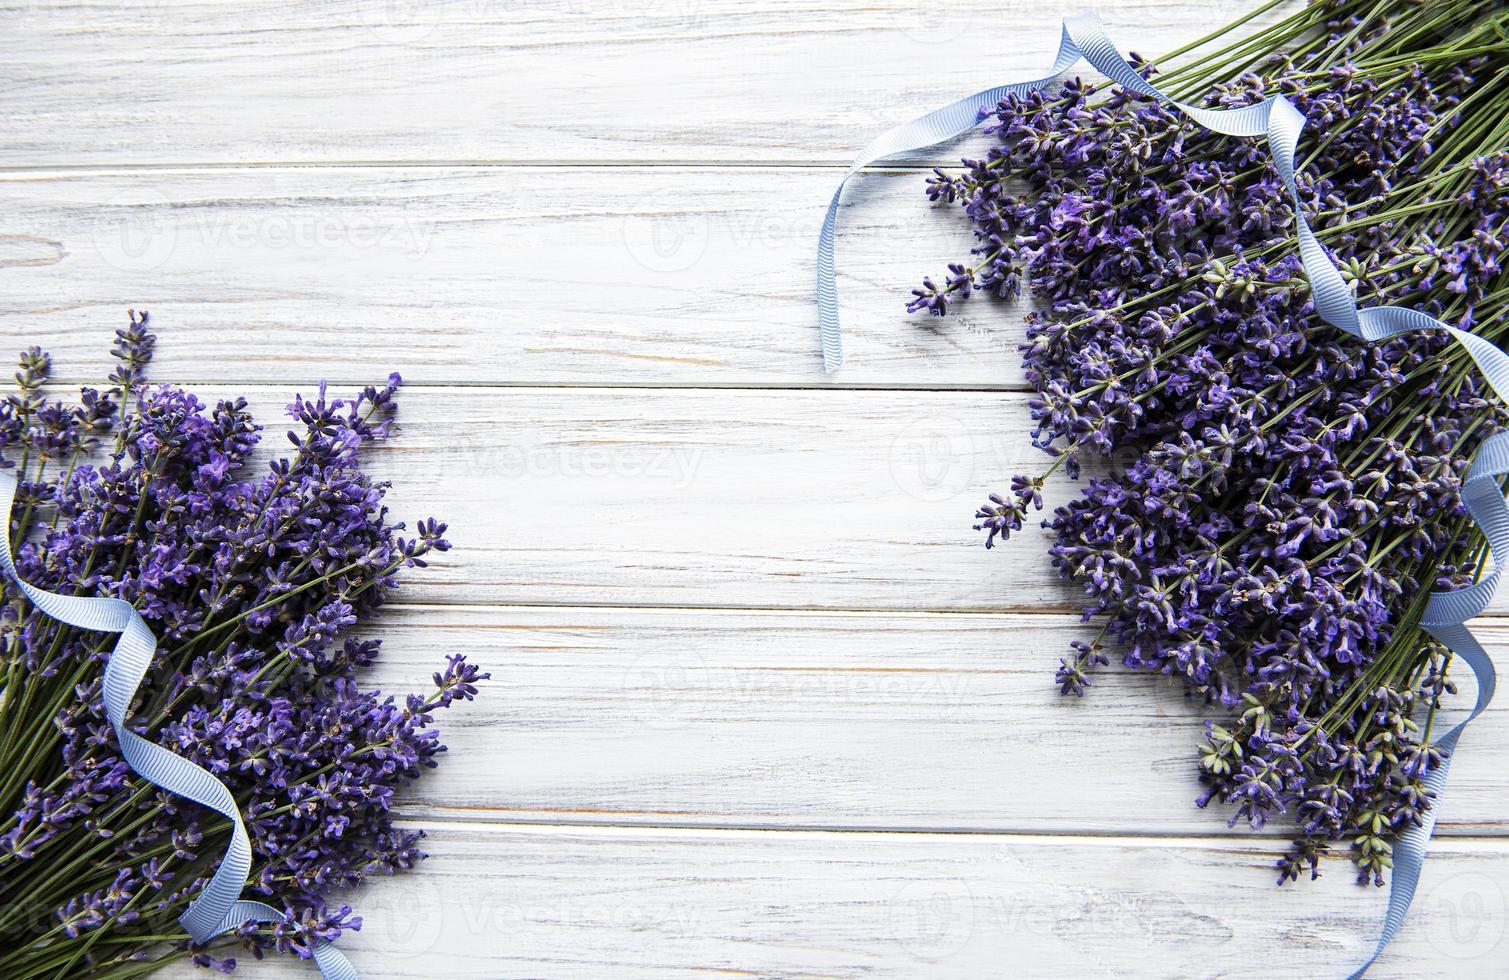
1292	495
255	579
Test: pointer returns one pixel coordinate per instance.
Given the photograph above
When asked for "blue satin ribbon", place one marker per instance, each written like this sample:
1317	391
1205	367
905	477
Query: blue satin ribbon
219	907
1446	613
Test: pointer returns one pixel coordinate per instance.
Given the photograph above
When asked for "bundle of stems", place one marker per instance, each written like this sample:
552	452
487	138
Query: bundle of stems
1294	496
253	583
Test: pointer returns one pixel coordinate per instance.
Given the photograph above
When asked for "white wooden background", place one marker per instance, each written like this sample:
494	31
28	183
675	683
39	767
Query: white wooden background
761	705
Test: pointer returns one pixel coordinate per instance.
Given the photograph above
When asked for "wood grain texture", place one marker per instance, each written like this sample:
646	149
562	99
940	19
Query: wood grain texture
539	275
186	81
761	704
685	497
764	719
734	499
834	721
642	903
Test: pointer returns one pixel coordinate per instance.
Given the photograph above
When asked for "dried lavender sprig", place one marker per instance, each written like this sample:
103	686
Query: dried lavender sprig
1203	588
155	524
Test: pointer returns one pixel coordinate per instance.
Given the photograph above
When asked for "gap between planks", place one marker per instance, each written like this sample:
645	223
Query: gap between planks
817	384
1490	619
899	165
1109	839
1262	839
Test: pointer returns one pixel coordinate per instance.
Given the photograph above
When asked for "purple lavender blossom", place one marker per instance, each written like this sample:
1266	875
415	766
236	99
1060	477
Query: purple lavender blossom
1294	492
254	583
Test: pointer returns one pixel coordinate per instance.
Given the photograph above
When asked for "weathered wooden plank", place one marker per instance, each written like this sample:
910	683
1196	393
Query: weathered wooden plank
622	276
650	80
687	720
672	497
889	721
694	497
554	902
